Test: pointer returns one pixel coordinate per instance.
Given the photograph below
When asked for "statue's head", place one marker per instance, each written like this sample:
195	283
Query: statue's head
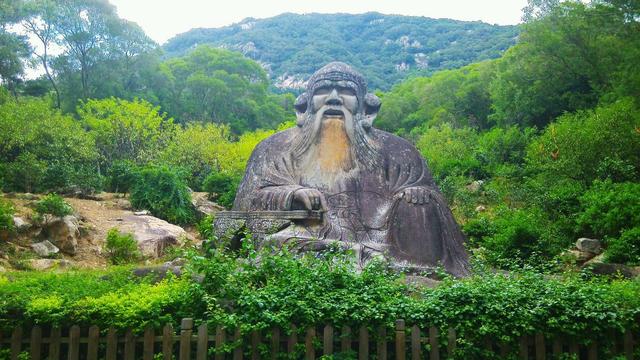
337	91
335	114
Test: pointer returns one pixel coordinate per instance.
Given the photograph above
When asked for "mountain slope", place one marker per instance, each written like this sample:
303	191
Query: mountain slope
386	48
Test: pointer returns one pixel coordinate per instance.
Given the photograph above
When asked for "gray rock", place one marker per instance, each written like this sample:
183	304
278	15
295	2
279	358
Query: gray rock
45	248
480	208
20	224
48	264
153	235
123	204
63	233
612	269
141	213
580	256
203	205
475	186
589	245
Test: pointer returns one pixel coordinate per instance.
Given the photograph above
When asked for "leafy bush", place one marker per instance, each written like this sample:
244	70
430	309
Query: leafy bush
609	209
626	248
223	186
121	248
163	191
205	227
122	175
6	216
53	204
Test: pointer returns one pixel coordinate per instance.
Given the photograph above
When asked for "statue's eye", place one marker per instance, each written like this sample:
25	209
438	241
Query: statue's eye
322	91
347	91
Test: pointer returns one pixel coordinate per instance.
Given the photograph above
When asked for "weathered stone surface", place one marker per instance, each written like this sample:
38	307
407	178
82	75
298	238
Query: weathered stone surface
581	256
375	190
20	224
480	208
153	235
203	205
63	233
48	264
600	268
45	248
589	245
475	186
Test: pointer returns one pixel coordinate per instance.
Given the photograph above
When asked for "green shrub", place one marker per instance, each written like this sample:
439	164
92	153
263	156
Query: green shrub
121	176
626	248
224	187
164	192
121	248
609	208
53	204
6	216
205	227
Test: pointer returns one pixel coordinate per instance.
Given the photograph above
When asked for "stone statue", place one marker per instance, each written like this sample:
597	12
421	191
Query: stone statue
373	190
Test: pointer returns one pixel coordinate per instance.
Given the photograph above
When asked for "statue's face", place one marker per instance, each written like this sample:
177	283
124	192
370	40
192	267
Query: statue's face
335	99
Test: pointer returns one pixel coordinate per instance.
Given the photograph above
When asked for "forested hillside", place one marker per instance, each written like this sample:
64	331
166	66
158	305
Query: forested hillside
386	48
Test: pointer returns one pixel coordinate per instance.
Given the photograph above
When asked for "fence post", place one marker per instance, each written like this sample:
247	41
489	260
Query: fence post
129	345
593	351
112	344
36	343
451	342
237	351
382	343
293	339
16	343
540	348
345	339
415	342
308	344
203	342
74	342
628	345
275	342
401	349
327	340
524	347
186	329
435	343
148	349
92	343
220	339
363	343
167	342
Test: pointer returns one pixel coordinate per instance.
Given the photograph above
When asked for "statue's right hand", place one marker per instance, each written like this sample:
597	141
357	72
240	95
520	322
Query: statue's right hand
311	199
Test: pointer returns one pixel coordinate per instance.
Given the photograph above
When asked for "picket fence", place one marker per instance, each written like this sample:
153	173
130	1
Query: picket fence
220	344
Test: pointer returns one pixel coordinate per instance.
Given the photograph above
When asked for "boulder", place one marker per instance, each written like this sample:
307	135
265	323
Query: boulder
153	235
580	256
47	264
20	224
612	269
203	205
589	245
45	248
475	186
63	233
480	208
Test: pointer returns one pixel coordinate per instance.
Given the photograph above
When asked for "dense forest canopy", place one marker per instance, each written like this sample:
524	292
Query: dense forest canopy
386	48
532	149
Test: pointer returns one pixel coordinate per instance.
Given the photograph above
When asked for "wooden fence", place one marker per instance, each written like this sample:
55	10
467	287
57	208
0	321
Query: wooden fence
217	343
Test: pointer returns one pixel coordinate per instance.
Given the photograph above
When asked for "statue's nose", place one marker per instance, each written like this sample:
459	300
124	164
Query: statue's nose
333	98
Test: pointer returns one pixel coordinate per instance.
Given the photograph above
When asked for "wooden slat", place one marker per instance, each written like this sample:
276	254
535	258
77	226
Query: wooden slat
220	340
415	342
381	346
574	348
327	340
505	349
401	341
628	345
593	351
524	347
345	339
36	343
293	339
275	342
540	348
186	329
255	343
557	348
129	345
112	344
451	342
203	341
167	342
16	343
149	344
310	351
238	352
435	344
363	343
92	343
74	342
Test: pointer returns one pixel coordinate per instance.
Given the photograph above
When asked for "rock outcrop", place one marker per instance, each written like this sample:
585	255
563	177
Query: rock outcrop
153	235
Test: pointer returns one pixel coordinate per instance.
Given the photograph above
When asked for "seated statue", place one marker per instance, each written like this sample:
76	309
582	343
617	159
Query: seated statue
374	189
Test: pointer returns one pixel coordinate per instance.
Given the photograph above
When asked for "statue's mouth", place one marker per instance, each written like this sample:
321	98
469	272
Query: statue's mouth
334	113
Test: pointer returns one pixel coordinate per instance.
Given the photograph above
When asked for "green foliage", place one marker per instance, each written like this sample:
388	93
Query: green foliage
205	227
223	186
53	204
610	208
163	191
121	248
122	176
625	248
6	216
449	151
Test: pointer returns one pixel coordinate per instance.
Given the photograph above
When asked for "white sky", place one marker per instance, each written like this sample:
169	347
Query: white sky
162	19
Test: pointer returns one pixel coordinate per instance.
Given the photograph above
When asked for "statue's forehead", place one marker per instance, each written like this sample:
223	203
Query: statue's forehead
328	83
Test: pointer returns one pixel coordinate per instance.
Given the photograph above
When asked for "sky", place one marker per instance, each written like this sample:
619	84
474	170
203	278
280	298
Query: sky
163	19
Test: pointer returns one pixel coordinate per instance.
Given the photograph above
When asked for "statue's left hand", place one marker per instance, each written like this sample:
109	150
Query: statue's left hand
415	195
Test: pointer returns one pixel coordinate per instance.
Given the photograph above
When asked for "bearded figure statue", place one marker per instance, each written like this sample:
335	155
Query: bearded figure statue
373	189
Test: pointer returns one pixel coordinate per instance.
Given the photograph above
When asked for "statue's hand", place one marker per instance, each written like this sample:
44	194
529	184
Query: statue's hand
415	195
312	199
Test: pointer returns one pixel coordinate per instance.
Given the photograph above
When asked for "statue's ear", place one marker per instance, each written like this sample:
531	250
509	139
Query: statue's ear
371	107
301	108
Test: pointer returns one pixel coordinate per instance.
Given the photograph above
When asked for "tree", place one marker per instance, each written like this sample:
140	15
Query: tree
13	48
